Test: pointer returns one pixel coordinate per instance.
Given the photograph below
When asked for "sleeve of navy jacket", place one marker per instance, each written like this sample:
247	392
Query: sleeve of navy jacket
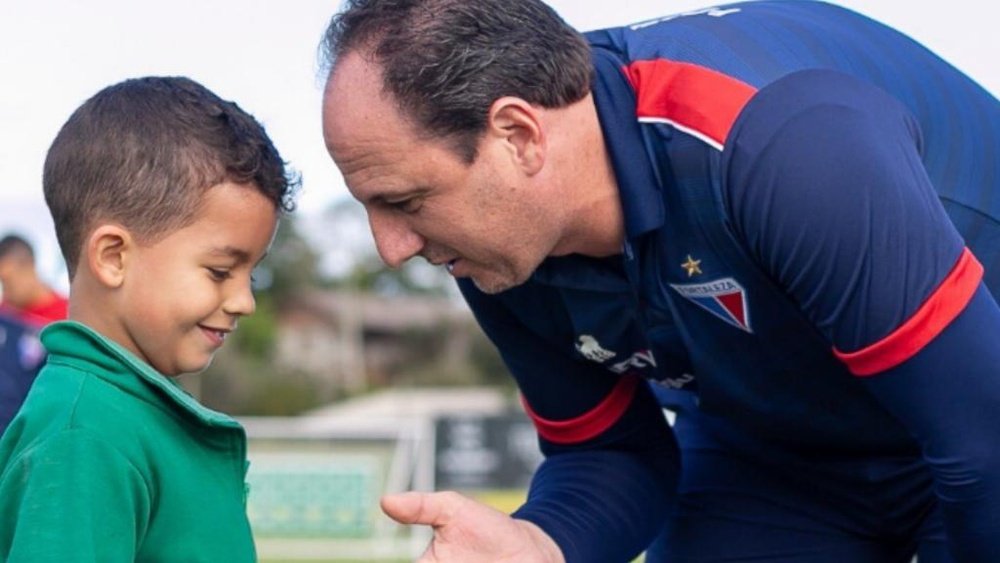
825	182
610	473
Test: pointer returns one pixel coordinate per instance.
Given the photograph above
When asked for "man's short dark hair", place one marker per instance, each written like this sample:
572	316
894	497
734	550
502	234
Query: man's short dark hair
15	245
446	61
144	151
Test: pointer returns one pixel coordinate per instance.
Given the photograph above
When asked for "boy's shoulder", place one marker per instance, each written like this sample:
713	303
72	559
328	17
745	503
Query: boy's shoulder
91	386
67	400
85	395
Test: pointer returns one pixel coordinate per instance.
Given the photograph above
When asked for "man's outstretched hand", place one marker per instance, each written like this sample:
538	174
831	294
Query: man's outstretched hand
466	531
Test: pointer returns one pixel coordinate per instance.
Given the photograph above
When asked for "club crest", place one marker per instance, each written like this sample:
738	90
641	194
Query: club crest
725	298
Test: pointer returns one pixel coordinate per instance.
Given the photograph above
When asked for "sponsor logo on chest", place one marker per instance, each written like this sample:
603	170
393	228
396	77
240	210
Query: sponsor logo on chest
638	362
590	348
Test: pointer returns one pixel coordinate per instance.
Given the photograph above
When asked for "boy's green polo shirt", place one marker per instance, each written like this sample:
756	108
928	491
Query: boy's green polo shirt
110	461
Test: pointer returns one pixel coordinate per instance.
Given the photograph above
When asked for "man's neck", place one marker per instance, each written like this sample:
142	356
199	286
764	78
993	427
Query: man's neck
596	224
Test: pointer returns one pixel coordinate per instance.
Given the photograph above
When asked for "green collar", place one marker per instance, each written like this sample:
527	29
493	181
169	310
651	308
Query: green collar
77	345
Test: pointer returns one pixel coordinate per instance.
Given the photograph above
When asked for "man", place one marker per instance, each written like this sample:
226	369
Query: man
755	203
24	293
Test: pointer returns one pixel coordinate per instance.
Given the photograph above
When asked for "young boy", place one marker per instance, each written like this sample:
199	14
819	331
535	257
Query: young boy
164	198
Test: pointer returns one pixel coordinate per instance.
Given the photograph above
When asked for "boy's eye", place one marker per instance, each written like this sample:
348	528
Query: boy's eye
217	274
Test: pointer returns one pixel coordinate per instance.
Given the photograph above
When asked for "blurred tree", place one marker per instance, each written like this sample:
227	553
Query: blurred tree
290	266
257	333
351	261
414	277
243	379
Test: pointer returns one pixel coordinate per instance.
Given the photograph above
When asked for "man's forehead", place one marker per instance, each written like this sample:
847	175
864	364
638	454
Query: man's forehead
354	73
353	101
359	116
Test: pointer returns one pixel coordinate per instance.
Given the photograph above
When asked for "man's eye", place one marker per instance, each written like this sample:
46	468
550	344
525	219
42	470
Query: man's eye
411	205
218	275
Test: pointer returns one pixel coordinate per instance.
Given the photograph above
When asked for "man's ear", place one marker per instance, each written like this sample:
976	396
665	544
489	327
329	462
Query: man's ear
520	125
107	252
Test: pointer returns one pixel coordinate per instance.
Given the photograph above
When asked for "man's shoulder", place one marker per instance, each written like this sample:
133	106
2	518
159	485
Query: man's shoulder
807	94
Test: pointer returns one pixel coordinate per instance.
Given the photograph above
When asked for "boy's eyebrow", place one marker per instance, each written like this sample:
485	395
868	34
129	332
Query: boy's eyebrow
239	254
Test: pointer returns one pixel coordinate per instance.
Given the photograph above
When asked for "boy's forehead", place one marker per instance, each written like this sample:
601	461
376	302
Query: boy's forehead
233	209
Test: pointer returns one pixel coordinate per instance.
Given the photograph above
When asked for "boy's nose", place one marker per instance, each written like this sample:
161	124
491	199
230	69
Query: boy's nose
241	302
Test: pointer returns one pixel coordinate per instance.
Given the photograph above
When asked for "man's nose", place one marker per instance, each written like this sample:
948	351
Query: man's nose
395	240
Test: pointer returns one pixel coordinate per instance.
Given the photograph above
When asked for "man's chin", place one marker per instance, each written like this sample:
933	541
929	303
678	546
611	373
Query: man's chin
495	285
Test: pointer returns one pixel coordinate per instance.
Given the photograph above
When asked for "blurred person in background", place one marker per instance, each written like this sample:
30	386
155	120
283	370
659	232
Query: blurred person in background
21	356
23	292
26	305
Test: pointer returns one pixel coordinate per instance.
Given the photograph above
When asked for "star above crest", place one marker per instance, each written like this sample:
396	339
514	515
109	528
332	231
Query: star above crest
692	266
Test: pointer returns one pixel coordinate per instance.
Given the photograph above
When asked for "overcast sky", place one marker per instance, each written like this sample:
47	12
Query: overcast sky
262	53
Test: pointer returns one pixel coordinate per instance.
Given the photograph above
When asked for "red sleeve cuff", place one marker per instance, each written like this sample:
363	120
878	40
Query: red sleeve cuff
937	312
590	424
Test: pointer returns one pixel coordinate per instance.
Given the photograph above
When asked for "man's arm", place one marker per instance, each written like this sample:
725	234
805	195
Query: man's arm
609	477
948	395
827	187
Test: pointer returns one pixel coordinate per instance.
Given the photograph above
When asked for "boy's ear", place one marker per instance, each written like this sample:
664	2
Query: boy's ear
107	252
520	125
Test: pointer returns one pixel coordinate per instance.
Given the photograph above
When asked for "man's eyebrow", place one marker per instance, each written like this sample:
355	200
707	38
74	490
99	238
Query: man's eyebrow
388	197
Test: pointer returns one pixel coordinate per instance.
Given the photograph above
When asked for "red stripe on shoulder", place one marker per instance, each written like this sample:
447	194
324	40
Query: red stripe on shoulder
937	312
698	100
590	424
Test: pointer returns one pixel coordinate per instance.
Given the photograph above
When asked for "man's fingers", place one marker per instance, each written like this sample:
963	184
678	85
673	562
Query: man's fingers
430	509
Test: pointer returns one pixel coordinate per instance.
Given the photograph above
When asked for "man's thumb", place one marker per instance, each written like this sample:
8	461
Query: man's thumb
430	509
